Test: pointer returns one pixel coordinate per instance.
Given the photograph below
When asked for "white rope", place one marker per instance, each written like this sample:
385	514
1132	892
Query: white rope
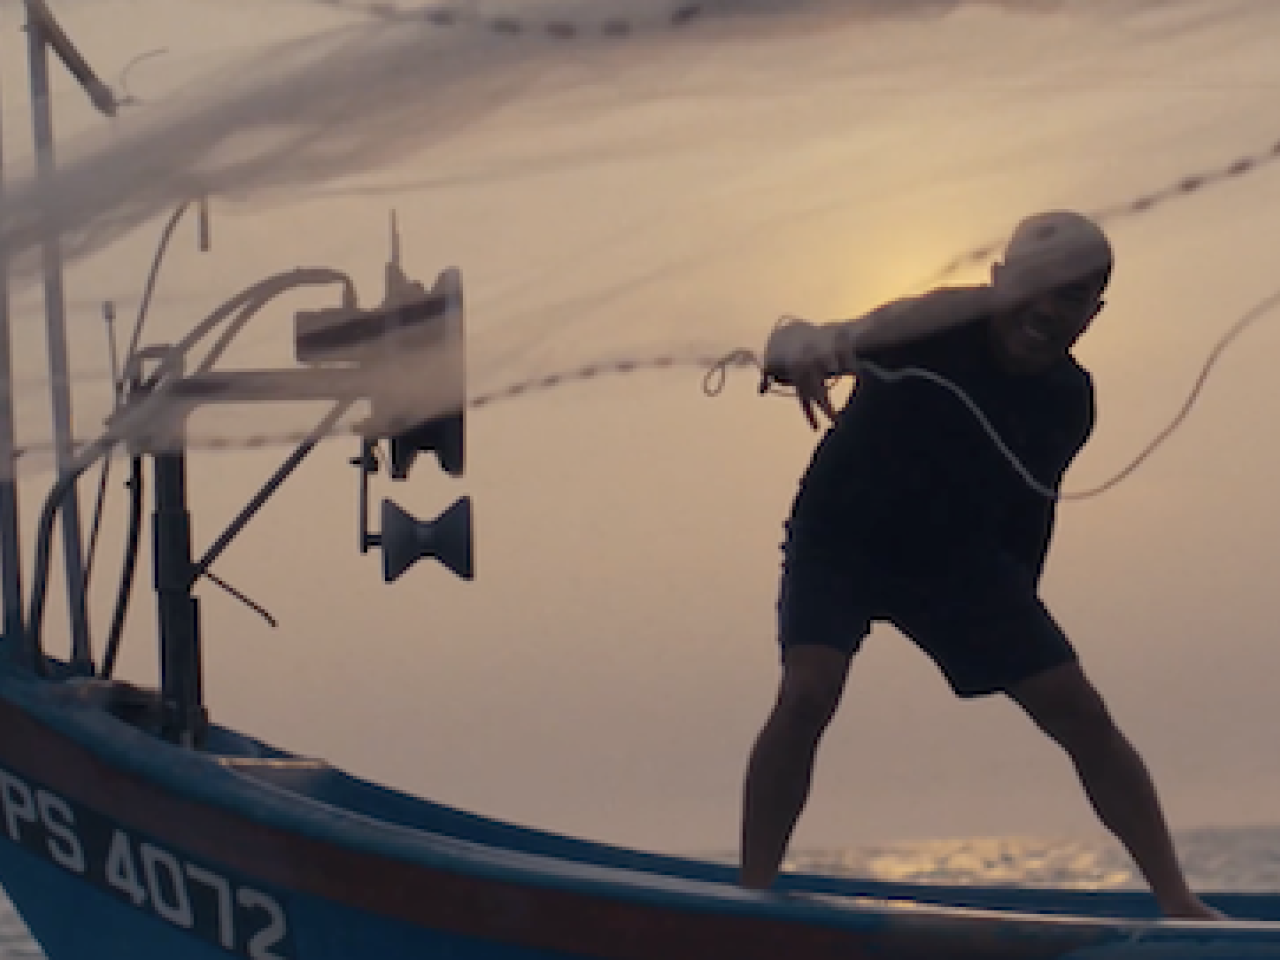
1251	316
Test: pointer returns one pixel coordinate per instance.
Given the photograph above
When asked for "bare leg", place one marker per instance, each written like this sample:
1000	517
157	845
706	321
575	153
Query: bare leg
781	766
1068	708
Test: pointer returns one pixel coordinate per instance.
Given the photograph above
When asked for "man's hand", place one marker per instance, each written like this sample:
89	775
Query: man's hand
805	356
812	392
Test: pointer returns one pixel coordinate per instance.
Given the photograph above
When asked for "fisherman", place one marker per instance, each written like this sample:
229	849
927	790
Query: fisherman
911	513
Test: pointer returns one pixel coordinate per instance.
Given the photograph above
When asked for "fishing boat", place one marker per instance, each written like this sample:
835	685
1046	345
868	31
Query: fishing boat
136	826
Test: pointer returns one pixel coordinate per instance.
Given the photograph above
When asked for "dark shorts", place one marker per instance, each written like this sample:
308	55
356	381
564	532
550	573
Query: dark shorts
977	616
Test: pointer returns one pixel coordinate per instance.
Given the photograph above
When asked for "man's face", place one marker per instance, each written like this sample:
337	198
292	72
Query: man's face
1036	323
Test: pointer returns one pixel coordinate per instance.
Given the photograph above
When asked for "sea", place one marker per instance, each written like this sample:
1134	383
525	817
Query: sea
1245	859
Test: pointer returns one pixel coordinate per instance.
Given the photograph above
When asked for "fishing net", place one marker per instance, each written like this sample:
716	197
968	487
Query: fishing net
623	187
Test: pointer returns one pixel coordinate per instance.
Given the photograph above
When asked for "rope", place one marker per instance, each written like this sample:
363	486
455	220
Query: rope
508	25
1251	316
1137	206
715	368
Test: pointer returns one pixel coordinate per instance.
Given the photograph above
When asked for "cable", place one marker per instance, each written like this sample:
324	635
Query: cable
153	277
144	307
125	590
256	295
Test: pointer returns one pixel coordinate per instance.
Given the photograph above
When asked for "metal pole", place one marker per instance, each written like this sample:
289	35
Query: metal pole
56	326
182	688
10	548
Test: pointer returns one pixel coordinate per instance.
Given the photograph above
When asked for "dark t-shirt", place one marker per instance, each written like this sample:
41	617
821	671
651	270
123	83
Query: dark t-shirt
909	480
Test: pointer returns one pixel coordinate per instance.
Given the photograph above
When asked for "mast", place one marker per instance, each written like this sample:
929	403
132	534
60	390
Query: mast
10	545
43	32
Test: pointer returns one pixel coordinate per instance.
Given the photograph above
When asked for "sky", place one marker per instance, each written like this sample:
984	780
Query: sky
671	195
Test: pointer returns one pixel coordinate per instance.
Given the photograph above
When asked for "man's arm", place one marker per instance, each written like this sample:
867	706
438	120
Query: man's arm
800	346
806	355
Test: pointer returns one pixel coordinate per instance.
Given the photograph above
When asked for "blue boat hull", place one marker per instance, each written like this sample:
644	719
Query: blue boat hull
120	845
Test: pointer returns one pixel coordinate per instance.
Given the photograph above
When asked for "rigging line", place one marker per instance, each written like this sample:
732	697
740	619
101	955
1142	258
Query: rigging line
533	385
153	277
1183	187
123	81
509	25
144	307
129	566
244	598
